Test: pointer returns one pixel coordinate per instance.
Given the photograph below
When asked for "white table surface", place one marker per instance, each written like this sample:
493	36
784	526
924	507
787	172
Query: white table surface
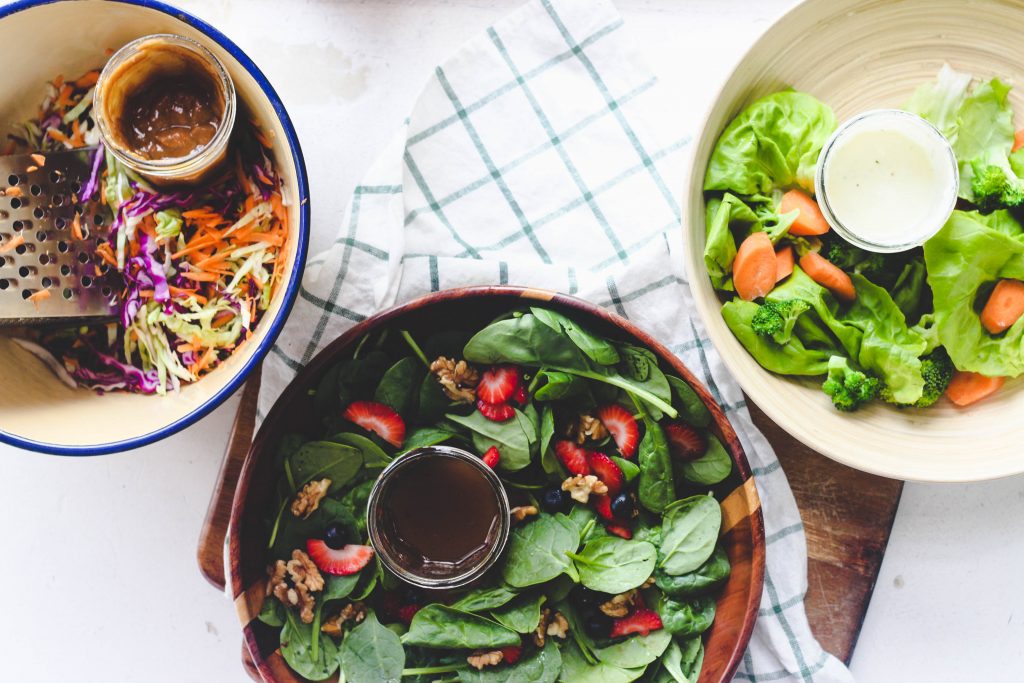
98	568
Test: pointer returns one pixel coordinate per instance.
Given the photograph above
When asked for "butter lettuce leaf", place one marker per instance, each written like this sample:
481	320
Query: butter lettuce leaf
773	143
965	260
732	219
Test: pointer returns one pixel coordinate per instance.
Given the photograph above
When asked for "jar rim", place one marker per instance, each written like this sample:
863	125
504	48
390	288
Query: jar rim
199	158
447	582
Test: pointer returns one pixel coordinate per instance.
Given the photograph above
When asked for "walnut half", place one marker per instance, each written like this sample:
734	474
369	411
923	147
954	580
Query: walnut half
457	378
480	660
581	486
308	499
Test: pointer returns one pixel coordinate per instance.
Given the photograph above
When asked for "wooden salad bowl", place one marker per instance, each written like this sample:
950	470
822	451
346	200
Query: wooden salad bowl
742	521
856	55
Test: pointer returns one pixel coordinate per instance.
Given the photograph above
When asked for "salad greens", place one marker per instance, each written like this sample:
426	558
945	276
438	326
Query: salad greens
612	584
919	318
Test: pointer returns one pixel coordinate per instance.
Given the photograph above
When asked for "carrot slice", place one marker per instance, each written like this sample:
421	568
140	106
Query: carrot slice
1018	140
829	276
784	261
809	221
41	295
1004	307
754	269
969	387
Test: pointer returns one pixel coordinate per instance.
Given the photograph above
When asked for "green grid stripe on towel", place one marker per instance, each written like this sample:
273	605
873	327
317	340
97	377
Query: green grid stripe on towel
539	155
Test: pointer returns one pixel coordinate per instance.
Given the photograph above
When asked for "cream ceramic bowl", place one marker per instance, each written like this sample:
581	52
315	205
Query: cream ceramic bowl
856	56
38	40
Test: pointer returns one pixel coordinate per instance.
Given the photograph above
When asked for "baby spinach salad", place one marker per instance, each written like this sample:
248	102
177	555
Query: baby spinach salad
613	562
904	328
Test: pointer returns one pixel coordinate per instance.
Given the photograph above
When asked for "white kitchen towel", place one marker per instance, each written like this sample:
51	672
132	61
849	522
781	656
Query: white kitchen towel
532	158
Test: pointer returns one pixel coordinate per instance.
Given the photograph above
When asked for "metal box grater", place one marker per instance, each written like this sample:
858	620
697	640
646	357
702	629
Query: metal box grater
38	249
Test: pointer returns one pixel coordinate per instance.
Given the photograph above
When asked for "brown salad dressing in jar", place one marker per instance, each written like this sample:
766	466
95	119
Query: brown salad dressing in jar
438	517
171	116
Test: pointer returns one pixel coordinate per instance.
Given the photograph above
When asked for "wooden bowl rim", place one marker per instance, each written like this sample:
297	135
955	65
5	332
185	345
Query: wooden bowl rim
236	591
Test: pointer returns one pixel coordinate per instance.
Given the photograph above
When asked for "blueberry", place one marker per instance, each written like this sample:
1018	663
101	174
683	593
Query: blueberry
623	506
336	537
411	595
556	500
597	625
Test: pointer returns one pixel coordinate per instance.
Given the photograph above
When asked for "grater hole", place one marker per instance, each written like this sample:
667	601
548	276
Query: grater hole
62	247
60	224
86	281
15	203
18	226
13	179
76	187
97	220
104	268
65	270
21	249
35	190
107	291
67	293
26	293
83	257
41	236
38	212
56	177
4	284
25	271
47	282
57	199
44	259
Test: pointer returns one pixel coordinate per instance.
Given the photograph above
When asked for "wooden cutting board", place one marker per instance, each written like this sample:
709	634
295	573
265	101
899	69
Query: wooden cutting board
847	518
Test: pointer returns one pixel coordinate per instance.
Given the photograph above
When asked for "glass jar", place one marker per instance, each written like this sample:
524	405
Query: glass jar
427	517
135	65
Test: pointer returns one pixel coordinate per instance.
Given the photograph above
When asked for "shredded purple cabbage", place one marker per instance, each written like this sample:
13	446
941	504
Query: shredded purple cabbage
117	375
143	271
94	176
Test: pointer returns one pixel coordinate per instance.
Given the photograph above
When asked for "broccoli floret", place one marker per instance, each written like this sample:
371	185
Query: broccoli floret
775	319
994	189
851	258
937	370
849	388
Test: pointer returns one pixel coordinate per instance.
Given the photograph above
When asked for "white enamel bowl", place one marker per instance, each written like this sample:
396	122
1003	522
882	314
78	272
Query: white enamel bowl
38	40
859	55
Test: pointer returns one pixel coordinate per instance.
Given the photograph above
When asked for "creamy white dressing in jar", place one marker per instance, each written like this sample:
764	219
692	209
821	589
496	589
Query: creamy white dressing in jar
887	180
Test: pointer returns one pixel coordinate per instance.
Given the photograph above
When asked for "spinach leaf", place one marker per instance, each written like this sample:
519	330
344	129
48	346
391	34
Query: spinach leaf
296	648
558	385
521	615
628	467
373	455
548	461
398	386
681	663
688	617
689	533
657	486
319	459
537	551
438	626
485	598
576	669
597	349
710	468
357	377
326	397
524	340
540	666
294	531
710	575
426	436
614	565
272	612
433	402
635	651
372	653
355	500
338	587
513	438
691	408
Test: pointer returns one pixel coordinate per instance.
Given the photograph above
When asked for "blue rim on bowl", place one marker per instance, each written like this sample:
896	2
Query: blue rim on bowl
275	325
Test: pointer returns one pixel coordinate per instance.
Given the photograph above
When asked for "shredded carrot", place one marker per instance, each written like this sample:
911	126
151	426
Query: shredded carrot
76	228
200	277
39	159
88	80
13	192
77	140
59	81
222	319
63	97
41	295
13	244
57	135
105	252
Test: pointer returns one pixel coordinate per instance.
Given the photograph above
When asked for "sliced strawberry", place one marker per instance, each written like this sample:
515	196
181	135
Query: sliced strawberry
407	612
642	621
607	471
685	442
348	560
491	457
620	530
388	606
498	383
520	396
603	505
511	654
379	419
495	412
572	456
622	425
